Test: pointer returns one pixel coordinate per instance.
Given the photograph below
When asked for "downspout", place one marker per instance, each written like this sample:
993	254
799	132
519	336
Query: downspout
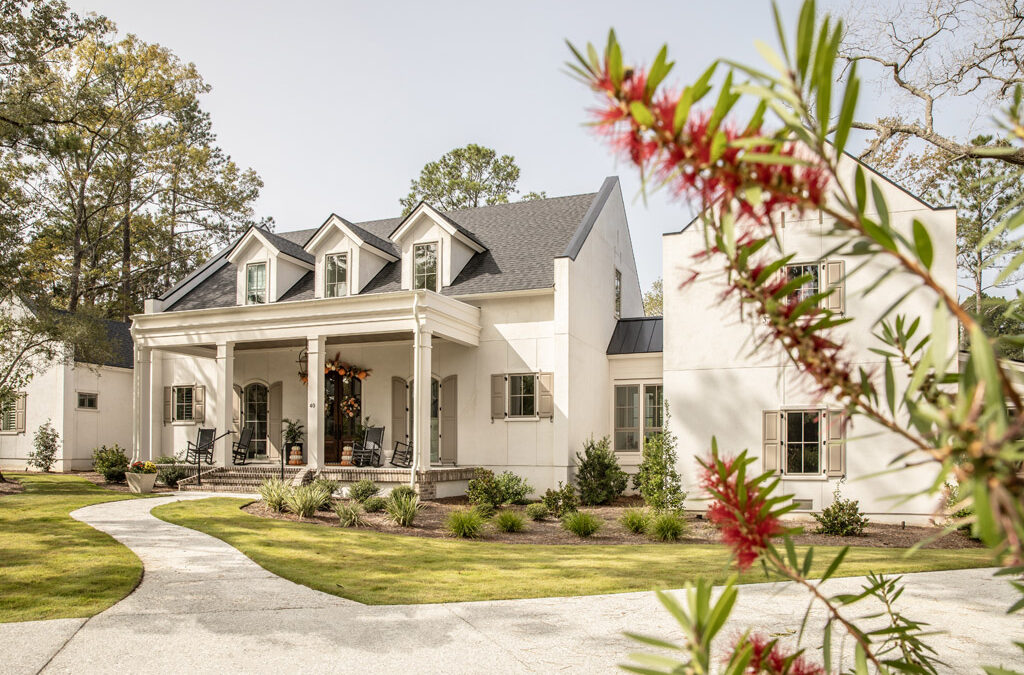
416	382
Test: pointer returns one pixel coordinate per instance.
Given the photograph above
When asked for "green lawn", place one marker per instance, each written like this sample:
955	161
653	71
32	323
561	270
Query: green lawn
376	568
52	566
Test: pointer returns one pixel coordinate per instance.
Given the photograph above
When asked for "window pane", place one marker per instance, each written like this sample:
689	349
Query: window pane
425	266
803	441
626	441
793	458
810	286
618	293
256	283
652	408
336	276
627	418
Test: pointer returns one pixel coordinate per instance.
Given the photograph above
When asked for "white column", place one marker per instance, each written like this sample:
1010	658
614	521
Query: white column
156	405
315	347
141	395
421	400
224	396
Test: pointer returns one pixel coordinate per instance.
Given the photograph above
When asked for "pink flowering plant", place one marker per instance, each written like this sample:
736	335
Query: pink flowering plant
744	178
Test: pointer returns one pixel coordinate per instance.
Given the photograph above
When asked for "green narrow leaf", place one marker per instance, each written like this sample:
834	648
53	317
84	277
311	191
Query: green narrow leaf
804	38
641	114
836	562
890	386
860	189
985	369
826	647
769	55
846	112
659	70
923	244
726	99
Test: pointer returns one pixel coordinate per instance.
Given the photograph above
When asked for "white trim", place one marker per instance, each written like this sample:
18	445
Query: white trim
339	222
441	221
437	265
232	256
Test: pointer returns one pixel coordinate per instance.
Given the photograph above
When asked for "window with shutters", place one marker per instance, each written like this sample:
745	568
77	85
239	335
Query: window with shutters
256	283
336	275
638	414
812	276
522	395
183	403
803	441
425	266
88	401
9	415
820	277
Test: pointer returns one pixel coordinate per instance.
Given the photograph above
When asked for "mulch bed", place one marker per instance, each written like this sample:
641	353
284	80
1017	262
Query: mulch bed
98	479
431	523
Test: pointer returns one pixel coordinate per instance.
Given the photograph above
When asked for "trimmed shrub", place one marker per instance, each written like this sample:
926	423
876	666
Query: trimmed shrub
402	509
842	517
581	523
509	521
514	489
657	480
598	475
362	490
402	491
483	488
272	492
110	462
349	515
375	504
561	501
537	512
167	459
666	526
304	500
465	523
961	514
170	474
635	520
44	447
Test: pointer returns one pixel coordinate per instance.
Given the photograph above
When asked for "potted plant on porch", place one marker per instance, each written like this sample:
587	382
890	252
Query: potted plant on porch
141	477
293	440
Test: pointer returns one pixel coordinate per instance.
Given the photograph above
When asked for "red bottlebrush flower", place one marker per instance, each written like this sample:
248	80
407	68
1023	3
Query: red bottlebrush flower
769	658
744	517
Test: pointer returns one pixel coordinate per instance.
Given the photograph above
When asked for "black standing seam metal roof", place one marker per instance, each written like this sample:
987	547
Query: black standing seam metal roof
520	239
639	335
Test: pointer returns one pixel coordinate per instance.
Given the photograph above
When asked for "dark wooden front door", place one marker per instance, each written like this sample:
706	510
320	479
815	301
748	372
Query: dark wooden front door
339	428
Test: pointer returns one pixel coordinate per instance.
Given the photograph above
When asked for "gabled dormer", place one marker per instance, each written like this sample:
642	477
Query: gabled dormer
347	257
434	248
266	266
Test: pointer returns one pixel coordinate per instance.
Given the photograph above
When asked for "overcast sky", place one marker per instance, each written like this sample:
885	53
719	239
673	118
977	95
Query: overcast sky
338	105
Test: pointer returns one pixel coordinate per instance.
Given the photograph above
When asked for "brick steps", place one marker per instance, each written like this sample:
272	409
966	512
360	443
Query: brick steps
241	478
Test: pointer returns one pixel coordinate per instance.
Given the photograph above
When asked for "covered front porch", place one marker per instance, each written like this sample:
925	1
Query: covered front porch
336	366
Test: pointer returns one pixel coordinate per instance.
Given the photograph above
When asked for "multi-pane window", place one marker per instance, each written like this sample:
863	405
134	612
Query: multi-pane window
336	276
810	286
183	401
618	294
653	410
803	441
639	414
425	266
87	400
256	283
9	415
522	395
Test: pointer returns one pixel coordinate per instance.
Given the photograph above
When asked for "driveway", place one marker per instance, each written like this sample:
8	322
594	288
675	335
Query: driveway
203	607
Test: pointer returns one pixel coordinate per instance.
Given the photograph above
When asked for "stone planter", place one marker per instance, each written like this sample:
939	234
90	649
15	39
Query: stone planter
140	483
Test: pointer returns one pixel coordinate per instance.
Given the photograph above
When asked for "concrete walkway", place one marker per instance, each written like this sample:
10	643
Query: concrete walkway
203	607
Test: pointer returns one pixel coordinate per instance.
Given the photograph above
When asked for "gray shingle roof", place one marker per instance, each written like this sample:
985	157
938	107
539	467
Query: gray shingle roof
119	346
287	246
640	335
521	240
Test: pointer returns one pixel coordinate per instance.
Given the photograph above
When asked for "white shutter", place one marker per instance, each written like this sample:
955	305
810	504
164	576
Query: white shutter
199	404
449	419
771	440
399	410
545	398
19	412
498	401
168	408
835	444
833	280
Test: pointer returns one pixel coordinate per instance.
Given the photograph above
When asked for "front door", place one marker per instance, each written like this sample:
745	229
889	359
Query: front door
342	414
256	416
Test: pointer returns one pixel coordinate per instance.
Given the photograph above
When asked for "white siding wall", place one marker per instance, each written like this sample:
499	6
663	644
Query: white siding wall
45	401
715	387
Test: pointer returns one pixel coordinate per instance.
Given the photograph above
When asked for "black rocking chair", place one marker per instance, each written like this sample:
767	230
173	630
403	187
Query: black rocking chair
368	451
240	448
202	449
402	456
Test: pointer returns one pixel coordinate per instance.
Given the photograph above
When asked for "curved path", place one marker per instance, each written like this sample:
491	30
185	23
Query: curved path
203	607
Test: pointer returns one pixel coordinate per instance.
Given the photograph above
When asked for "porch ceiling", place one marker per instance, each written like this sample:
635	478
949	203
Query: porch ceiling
379	317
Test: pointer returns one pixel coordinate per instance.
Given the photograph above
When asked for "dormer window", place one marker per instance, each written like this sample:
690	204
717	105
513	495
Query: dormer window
425	266
336	275
256	283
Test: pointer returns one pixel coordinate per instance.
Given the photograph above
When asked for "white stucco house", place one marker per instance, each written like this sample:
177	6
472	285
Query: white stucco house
502	337
88	404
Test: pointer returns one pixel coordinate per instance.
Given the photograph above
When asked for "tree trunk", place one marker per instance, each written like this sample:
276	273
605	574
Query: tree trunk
74	285
977	284
126	255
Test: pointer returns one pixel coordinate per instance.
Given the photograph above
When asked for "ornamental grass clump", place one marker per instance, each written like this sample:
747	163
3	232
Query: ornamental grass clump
465	523
273	492
402	491
509	521
326	484
635	520
349	514
581	523
304	500
666	526
362	490
402	509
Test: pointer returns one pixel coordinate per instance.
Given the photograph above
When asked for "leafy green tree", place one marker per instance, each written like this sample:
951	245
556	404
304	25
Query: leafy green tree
463	178
654	300
1001	320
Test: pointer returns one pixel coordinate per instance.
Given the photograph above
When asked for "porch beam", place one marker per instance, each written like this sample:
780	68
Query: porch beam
225	401
316	347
